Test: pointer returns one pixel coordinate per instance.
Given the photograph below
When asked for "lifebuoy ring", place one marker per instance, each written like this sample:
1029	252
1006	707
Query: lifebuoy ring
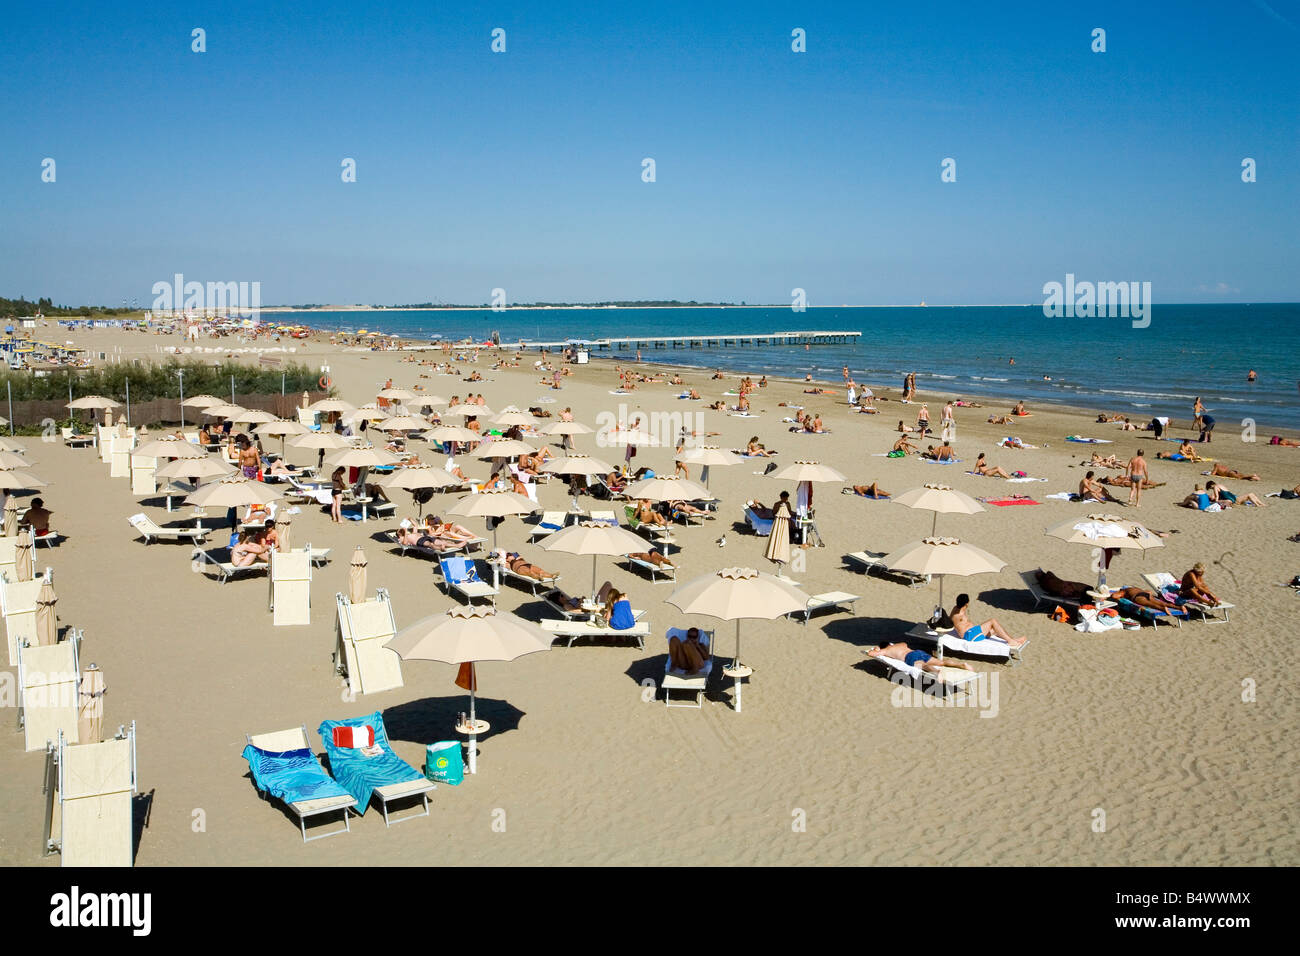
324	382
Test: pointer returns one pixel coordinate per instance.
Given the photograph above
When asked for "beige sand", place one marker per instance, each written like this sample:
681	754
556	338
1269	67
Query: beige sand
1149	727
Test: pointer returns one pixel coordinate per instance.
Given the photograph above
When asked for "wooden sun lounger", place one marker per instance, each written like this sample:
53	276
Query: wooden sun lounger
151	531
870	561
572	630
835	600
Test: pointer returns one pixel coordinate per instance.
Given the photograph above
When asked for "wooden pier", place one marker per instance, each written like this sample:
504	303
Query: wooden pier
739	340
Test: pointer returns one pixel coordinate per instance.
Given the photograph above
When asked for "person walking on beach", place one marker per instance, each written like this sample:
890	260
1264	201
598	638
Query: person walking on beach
1198	409
923	420
1137	474
948	427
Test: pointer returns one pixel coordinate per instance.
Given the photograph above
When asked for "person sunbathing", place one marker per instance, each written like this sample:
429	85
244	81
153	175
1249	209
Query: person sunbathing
688	655
1142	598
652	557
1108	419
1090	490
755	449
1227	499
1060	588
1192	586
999	420
1019	409
522	566
615	481
1185	453
982	467
968	630
1110	461
686	508
718	406
872	490
249	550
566	602
646	514
1220	470
278	467
1198	500
1287	442
1124	481
943	453
761	510
916	658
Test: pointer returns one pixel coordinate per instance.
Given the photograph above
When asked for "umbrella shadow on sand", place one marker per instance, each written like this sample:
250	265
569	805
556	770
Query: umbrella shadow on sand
430	719
1009	599
867	631
649	671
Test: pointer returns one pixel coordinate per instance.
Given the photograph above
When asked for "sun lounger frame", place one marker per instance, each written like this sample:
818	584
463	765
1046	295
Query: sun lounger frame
834	600
874	561
696	684
151	531
304	809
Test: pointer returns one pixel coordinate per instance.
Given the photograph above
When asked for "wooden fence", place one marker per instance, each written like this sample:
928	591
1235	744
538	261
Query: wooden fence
153	412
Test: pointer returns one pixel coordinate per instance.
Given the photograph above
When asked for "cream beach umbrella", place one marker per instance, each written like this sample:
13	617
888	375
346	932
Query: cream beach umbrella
92	402
502	448
281	427
632	437
941	499
467	636
942	557
254	416
47	619
8	444
806	473
708	456
234	491
11	479
403	423
666	488
90	706
202	401
362	456
399	395
23	557
510	416
492	503
331	405
446	433
169	446
1106	534
469	411
357	576
594	538
11	517
320	440
419	477
208	466
424	400
566	431
578	464
370	413
736	594
11	459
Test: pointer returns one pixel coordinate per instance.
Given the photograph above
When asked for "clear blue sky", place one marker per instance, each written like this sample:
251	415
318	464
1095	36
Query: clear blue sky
774	169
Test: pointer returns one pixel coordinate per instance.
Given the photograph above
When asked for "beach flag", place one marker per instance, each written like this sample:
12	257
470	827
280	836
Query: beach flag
466	678
354	737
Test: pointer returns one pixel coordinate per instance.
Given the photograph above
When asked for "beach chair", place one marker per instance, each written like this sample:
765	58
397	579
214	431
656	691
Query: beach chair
308	419
48	679
950	678
1162	582
694	684
603	517
868	561
89	791
659	534
1127	609
18	607
8	556
760	526
307	492
289	588
360	654
48	539
1040	596
385	777
500	570
654	570
946	639
552	600
283	767
210	561
571	630
551	522
834	600
73	440
460	574
151	531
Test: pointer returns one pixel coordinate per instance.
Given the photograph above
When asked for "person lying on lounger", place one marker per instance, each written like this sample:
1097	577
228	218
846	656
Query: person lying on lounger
968	630
1221	470
872	490
646	514
686	508
523	567
1193	588
688	655
1142	598
1060	588
652	557
1091	490
916	658
563	600
982	467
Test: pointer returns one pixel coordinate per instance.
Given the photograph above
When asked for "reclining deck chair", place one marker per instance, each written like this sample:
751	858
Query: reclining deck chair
151	531
675	680
460	574
284	767
385	777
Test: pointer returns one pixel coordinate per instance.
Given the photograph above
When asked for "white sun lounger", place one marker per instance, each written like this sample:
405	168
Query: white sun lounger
151	531
1163	579
836	600
952	678
572	630
654	570
73	440
295	738
89	789
459	574
18	607
1040	595
360	654
207	560
552	521
947	639
675	680
49	678
874	561
500	571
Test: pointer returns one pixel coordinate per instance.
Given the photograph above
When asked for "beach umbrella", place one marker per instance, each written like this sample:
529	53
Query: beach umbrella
23	557
943	556
806	472
577	464
1107	533
402	423
234	491
472	411
47	623
169	446
254	416
326	440
708	456
594	538
492	503
467	636
11	459
362	456
399	395
331	405
92	402
357	576
941	499
421	400
225	410
736	594
12	479
202	401
370	413
11	517
8	444
282	427
446	433
90	706
415	478
566	428
208	466
502	448
666	488
510	415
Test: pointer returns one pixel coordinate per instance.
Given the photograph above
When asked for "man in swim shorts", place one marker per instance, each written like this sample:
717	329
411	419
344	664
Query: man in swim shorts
916	658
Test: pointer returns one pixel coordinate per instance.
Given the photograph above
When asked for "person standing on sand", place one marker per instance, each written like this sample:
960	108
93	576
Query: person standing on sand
1136	471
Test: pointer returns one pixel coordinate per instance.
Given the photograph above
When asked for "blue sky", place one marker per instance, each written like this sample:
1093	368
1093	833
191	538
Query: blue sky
522	170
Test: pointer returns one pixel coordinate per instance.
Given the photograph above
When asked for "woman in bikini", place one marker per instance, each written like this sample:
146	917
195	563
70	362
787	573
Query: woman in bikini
982	467
968	630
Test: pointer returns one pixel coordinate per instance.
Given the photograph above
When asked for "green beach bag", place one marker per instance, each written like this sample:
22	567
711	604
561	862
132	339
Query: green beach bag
443	762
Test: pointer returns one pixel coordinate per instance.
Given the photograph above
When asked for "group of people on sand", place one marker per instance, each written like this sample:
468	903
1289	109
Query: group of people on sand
963	626
1191	588
433	534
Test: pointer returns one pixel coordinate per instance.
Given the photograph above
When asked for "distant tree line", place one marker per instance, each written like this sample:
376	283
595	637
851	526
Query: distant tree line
22	308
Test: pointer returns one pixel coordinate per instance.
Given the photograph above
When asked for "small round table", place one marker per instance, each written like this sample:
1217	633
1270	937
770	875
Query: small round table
472	728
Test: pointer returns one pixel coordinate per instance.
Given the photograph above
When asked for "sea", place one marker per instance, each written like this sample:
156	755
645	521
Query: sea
1007	352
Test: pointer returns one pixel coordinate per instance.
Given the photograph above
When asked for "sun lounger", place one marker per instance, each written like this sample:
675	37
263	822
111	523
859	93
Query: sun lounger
1041	596
835	600
284	767
660	534
151	531
1126	608
694	684
18	607
434	553
459	574
73	440
89	791
947	640
654	570
1163	581
360	654
386	777
603	517
551	522
211	561
760	526
870	561
48	680
552	599
952	678
572	630
48	539
500	571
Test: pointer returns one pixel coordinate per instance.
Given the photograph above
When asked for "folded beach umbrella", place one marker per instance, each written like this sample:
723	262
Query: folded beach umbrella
234	491
202	401
666	488
445	433
284	530
492	503
941	557
90	706
11	517
357	576
1108	533
510	415
736	594
577	464
466	636
23	557
47	621
594	538
940	499
169	446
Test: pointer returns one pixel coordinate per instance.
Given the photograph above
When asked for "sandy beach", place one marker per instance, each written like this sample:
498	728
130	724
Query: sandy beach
822	766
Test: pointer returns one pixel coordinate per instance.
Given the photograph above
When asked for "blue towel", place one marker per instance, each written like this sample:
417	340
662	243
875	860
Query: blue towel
621	618
459	570
359	774
292	776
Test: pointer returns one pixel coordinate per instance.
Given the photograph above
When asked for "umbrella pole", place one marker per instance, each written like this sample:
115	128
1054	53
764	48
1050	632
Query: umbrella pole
473	737
593	577
934	526
736	666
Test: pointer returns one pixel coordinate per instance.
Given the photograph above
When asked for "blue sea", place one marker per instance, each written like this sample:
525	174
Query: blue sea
1098	363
